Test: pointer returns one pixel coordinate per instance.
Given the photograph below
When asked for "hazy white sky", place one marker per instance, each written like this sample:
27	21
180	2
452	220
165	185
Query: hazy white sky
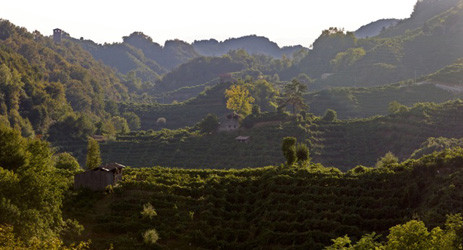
288	22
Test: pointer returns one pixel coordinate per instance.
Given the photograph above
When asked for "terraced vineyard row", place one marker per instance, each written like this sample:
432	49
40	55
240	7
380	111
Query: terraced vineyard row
273	207
343	144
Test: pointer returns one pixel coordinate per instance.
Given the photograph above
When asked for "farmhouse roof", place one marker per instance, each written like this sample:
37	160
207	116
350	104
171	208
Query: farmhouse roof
242	138
111	167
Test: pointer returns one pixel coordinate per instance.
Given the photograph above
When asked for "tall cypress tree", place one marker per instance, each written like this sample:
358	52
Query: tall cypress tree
93	154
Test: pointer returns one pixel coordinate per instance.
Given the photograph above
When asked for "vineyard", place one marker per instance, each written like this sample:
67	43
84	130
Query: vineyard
298	207
211	100
343	144
365	102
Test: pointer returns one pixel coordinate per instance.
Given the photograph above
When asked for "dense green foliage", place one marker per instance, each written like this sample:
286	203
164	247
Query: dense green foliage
32	188
288	147
272	207
436	144
93	154
411	235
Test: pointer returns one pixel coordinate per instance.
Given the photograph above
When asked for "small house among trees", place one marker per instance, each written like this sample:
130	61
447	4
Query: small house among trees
230	122
99	178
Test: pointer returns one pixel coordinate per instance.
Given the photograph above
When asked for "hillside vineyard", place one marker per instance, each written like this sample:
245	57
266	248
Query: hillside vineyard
355	142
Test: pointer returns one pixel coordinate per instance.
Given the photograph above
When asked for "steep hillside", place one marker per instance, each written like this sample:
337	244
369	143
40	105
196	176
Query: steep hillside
339	59
124	58
42	81
272	207
443	85
375	28
423	11
198	71
187	113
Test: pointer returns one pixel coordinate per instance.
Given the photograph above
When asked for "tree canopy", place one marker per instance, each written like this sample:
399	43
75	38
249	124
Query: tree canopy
293	95
239	99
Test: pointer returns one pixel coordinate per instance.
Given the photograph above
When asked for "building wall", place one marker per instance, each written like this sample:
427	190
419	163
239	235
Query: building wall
229	125
94	180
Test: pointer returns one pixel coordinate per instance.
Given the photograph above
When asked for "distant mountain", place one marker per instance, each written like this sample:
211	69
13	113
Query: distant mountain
149	60
374	28
138	53
172	54
252	44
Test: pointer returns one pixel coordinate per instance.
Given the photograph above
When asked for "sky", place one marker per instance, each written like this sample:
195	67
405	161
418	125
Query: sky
288	22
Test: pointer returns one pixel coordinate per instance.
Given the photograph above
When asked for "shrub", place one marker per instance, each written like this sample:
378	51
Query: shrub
302	153
389	159
148	211
330	115
150	237
289	149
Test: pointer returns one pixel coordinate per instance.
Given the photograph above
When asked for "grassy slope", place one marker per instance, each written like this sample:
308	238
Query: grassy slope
272	207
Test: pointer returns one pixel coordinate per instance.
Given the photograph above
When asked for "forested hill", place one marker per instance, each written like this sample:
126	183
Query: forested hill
423	12
139	54
149	60
429	40
251	44
42	82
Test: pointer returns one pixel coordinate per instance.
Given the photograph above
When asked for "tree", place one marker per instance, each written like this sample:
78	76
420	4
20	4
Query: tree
265	94
289	150
161	122
293	95
302	153
389	159
31	188
345	59
395	107
93	154
66	161
132	120
120	124
411	235
330	115
239	99
150	237
67	166
209	124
